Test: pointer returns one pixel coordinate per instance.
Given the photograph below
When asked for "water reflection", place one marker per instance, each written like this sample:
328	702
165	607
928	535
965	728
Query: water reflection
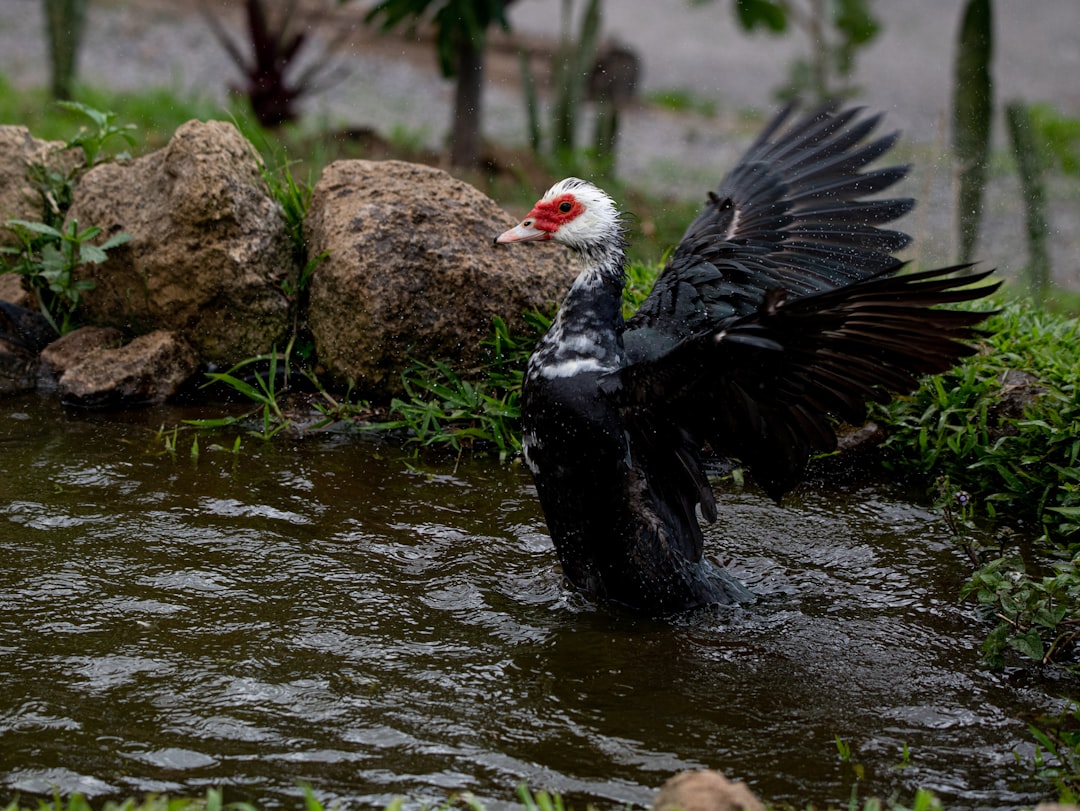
325	612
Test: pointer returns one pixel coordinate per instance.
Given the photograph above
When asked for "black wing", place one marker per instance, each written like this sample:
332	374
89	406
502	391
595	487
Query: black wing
761	390
792	214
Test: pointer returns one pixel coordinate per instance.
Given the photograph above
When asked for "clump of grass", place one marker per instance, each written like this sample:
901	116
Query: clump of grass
1004	426
482	410
1001	437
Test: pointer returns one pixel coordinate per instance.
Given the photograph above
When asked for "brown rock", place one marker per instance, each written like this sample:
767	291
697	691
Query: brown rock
150	369
1019	391
19	150
208	251
71	350
14	290
705	791
412	271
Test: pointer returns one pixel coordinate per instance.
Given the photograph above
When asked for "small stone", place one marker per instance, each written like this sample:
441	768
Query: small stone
705	791
72	349
150	369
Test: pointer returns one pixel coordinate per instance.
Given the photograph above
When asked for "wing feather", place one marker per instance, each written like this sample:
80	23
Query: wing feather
763	388
794	214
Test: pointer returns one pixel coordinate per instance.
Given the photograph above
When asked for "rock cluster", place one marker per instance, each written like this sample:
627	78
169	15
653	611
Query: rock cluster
209	277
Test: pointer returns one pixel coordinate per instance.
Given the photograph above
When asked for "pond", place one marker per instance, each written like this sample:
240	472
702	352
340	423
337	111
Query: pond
330	611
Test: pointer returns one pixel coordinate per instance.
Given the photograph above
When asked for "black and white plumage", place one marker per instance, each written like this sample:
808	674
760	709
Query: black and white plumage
783	305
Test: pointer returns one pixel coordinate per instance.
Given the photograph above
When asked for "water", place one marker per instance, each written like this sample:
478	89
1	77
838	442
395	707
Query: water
330	612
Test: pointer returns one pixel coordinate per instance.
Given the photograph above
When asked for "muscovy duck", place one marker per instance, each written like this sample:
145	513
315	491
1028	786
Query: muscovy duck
783	305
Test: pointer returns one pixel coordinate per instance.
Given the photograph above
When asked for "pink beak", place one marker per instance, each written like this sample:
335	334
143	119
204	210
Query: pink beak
523	232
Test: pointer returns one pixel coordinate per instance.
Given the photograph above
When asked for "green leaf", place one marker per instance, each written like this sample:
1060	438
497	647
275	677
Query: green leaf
92	254
1068	512
115	240
241	386
35	227
1030	644
216	422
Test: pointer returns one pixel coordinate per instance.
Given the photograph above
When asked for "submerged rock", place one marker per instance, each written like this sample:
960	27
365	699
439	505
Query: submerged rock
208	249
412	272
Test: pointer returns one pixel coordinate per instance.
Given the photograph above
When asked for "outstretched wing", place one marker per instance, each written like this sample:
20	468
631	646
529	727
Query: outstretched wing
762	389
791	215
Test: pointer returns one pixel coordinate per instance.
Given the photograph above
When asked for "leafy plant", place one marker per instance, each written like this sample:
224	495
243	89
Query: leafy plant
50	251
1039	617
1008	437
835	30
460	40
442	408
1057	752
92	141
48	257
258	386
57	185
293	199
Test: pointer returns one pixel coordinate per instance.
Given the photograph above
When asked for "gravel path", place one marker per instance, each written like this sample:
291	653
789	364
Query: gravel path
393	87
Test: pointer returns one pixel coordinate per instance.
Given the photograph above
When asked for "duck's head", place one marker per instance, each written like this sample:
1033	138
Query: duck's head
574	213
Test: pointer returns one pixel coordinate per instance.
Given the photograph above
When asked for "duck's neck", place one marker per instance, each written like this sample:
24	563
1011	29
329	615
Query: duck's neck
586	335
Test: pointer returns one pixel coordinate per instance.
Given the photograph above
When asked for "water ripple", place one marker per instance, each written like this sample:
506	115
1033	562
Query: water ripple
326	613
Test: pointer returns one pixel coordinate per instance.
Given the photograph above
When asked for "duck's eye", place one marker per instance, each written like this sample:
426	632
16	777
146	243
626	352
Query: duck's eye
565	206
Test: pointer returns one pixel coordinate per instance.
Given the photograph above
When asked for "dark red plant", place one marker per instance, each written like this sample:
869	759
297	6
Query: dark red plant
267	58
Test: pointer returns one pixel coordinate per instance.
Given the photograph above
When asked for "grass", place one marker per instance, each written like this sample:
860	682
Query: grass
1017	459
446	409
1000	438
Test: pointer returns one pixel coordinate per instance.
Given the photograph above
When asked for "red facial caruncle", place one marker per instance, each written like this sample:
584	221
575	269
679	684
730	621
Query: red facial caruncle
550	215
